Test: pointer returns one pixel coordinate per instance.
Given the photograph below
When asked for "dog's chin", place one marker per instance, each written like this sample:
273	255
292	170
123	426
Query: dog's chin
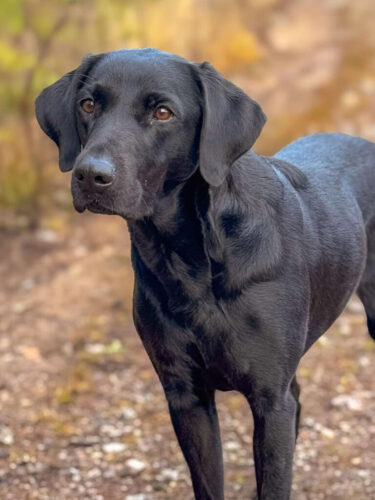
97	207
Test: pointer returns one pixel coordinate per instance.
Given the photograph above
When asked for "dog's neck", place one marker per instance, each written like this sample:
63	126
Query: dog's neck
188	234
174	232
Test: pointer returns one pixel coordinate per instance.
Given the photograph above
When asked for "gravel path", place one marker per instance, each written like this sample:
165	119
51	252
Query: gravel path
83	415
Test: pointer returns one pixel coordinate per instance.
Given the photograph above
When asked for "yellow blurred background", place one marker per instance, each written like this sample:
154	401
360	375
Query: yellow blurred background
309	63
81	411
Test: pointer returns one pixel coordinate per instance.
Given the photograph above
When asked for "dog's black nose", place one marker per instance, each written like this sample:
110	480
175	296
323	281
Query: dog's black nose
95	173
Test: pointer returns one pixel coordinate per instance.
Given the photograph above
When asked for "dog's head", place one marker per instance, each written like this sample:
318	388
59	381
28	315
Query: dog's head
133	124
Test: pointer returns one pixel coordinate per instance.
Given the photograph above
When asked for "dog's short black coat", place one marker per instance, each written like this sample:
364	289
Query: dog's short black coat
241	261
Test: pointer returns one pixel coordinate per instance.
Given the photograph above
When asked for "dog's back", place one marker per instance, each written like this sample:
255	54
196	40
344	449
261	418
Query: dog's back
331	160
340	203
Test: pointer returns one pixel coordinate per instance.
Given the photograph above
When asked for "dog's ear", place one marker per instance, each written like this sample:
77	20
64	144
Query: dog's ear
55	109
231	124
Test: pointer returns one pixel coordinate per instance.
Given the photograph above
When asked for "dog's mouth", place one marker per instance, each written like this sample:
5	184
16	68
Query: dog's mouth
93	205
110	203
98	208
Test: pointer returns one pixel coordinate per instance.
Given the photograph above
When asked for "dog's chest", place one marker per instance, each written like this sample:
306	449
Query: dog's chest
187	288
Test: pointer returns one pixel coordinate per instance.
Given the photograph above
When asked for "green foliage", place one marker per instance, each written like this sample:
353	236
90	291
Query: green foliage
17	186
14	60
11	17
17	177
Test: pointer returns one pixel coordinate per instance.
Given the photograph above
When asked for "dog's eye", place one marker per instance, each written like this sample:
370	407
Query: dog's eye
88	105
162	113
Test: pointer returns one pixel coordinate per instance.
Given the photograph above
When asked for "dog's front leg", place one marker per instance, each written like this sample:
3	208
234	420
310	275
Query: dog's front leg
197	430
274	442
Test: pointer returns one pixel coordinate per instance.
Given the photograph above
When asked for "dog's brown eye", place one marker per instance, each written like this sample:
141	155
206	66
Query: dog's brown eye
88	106
162	113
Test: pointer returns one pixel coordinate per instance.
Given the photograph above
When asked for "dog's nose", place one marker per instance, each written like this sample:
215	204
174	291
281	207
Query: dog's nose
95	173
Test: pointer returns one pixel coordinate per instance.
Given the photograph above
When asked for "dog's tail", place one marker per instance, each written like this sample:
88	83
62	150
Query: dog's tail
371	327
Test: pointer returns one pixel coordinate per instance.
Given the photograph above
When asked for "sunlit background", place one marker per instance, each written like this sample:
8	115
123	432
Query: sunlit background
81	410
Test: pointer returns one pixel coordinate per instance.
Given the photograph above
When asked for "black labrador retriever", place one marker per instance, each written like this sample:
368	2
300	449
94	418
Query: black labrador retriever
241	261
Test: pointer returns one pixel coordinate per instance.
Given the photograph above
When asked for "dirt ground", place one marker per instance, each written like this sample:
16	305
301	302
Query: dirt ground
82	414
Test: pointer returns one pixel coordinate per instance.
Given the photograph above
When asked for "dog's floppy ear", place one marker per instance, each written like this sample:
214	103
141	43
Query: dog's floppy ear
56	113
231	124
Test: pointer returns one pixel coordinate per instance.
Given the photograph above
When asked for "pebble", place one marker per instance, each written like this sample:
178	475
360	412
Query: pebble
349	401
128	413
171	474
114	447
328	433
47	236
135	466
6	436
84	441
94	473
231	445
139	496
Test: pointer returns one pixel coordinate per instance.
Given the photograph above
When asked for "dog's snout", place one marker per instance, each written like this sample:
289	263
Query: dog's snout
95	173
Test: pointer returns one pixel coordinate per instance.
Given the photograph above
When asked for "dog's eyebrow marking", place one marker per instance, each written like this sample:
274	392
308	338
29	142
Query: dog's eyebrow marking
155	97
83	78
96	87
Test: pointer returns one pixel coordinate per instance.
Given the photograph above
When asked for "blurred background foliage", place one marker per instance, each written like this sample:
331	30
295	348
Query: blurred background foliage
309	63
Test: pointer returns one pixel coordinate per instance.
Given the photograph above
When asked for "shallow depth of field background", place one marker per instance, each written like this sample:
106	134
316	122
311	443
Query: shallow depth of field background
82	414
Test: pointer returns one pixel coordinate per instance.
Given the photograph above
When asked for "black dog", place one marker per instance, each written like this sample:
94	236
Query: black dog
241	261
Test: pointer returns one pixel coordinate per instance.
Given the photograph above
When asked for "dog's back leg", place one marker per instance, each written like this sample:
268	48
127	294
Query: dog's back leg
295	390
369	304
366	289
